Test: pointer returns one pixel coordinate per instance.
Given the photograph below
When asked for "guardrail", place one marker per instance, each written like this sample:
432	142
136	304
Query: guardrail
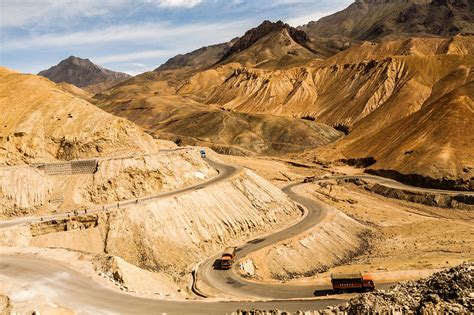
70	168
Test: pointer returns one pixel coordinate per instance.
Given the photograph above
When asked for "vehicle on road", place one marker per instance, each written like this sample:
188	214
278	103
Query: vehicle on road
227	258
203	153
351	282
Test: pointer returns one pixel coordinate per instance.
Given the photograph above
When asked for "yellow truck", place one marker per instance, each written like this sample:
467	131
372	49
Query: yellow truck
227	258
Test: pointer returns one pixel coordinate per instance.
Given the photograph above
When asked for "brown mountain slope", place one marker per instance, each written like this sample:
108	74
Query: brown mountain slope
333	93
413	46
41	122
83	73
431	147
76	91
198	59
366	97
376	19
272	45
185	121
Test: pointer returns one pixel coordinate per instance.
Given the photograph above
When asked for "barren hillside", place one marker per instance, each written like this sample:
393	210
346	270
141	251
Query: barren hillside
366	97
111	202
379	19
41	122
84	74
275	74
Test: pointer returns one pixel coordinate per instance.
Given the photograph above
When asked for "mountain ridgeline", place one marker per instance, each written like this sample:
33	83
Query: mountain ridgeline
379	19
394	76
83	73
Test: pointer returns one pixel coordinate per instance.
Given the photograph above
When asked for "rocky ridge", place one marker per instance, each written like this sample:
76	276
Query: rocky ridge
447	292
82	73
450	291
379	19
267	27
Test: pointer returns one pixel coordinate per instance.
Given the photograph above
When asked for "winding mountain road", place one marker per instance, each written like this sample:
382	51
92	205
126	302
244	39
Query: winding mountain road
224	173
76	291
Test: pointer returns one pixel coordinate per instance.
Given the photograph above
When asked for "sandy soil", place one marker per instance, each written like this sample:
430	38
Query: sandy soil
409	241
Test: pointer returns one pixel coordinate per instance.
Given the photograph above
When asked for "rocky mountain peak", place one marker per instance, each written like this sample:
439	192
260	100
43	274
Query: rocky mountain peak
265	28
81	72
77	61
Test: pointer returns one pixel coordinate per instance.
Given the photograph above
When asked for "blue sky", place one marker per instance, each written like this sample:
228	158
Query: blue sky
134	36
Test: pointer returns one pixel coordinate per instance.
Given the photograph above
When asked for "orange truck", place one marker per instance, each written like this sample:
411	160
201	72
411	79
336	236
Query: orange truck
227	258
352	282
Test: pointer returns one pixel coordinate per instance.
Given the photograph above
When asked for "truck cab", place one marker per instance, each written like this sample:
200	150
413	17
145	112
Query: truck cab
227	258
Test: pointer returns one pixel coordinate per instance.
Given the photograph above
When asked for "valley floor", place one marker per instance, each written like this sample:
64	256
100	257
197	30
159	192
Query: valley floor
391	239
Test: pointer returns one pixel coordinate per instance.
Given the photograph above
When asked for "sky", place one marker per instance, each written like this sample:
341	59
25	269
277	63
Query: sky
134	36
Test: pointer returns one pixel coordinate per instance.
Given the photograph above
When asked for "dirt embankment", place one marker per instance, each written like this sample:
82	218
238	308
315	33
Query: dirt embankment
169	236
460	201
54	188
336	240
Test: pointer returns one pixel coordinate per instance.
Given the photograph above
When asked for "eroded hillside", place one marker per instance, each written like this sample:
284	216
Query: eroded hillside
75	177
40	122
378	19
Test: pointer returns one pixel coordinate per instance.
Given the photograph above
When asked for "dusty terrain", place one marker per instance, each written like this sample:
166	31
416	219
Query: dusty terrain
43	123
406	240
101	189
370	91
378	19
161	238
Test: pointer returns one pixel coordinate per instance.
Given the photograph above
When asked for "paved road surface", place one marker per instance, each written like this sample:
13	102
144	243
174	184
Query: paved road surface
225	172
75	291
229	283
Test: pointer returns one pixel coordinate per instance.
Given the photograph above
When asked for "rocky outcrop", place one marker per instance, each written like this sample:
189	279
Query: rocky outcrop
378	19
431	199
267	27
446	292
81	73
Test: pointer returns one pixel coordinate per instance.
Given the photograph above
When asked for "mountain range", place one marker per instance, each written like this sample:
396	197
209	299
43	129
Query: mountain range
394	76
382	19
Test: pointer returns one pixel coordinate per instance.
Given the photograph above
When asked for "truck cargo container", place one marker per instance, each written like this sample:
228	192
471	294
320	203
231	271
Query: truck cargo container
227	258
351	282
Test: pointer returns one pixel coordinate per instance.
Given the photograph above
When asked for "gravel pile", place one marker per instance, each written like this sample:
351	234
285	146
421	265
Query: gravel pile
447	292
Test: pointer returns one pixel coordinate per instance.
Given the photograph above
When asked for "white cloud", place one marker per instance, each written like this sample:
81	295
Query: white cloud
304	19
178	3
19	13
139	55
131	33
